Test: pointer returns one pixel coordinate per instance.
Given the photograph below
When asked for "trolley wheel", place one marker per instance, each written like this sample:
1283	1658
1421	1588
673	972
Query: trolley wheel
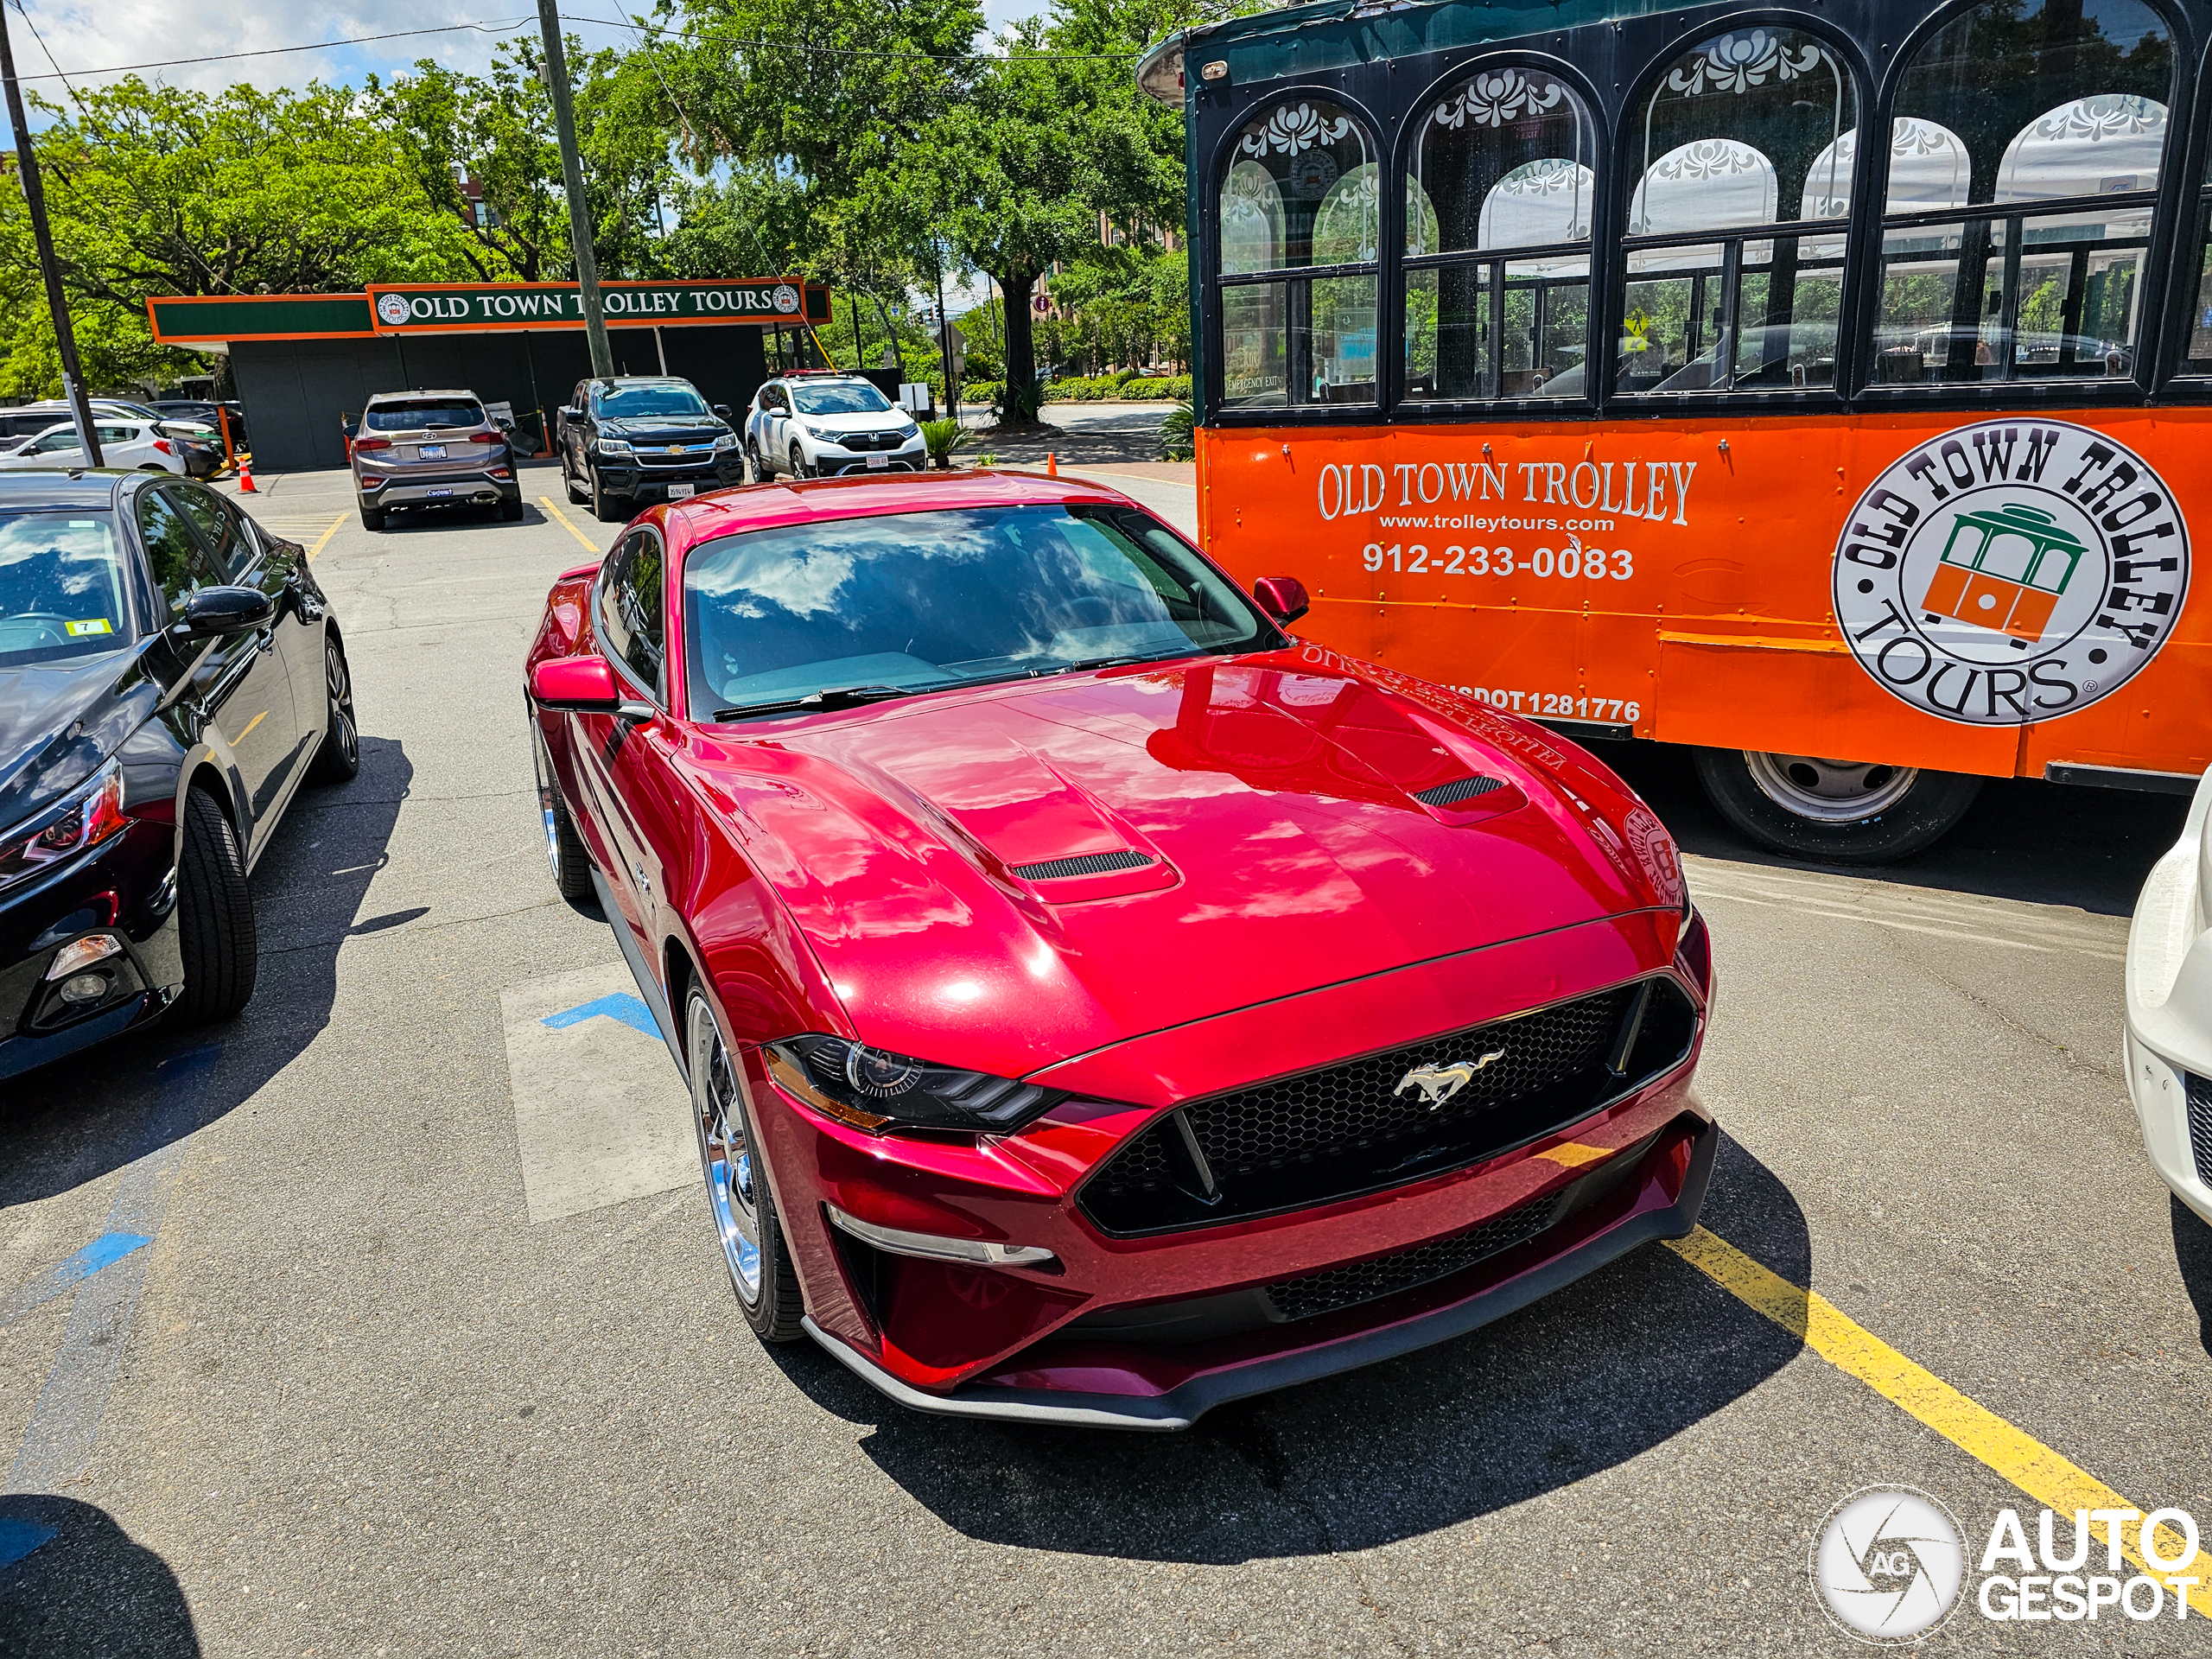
1834	811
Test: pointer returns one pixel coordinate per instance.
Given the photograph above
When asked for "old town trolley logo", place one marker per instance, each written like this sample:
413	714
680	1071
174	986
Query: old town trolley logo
2012	571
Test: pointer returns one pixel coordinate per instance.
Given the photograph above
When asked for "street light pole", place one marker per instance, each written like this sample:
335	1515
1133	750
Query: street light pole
64	337
572	171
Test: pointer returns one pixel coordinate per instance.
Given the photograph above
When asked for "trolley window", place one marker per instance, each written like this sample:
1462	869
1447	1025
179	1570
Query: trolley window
1300	210
2023	169
1505	164
2198	358
1733	258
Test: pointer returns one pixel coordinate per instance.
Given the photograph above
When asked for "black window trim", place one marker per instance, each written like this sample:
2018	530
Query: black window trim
599	599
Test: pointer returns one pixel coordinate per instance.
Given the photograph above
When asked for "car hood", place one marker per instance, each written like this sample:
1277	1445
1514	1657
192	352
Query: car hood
60	720
662	429
881	420
1271	801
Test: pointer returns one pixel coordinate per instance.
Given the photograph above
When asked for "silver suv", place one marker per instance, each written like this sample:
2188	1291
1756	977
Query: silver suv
431	449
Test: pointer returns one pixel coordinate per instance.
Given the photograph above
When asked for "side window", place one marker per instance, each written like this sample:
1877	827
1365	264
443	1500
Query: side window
179	562
1302	194
1747	131
2024	166
631	612
229	544
1505	161
2198	351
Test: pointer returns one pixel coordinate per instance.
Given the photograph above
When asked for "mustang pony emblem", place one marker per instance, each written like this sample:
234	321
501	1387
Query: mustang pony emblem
1437	1084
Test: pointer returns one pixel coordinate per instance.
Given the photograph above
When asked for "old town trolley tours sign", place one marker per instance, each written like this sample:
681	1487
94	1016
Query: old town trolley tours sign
473	307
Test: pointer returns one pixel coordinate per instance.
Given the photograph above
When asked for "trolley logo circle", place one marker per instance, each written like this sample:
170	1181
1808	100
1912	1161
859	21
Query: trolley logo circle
2010	571
393	308
787	298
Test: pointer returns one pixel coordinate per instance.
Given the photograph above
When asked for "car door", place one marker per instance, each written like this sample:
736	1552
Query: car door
250	559
573	440
237	683
617	755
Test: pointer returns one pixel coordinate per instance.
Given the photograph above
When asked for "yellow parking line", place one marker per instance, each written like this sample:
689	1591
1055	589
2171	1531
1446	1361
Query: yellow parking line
323	540
2026	1462
546	501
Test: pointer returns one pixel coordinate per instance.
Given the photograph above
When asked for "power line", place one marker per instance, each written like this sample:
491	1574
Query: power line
491	27
42	46
763	43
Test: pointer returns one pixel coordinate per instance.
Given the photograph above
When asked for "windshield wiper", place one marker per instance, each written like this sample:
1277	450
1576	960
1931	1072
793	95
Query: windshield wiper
1125	659
842	696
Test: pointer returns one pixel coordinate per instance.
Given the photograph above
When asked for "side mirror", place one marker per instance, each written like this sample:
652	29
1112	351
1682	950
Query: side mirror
212	611
723	409
1283	597
575	686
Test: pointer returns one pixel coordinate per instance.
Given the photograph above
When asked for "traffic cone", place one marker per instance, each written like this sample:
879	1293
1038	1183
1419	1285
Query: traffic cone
1051	465
245	477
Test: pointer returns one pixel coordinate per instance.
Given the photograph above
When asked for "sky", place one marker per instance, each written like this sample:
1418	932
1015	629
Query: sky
81	35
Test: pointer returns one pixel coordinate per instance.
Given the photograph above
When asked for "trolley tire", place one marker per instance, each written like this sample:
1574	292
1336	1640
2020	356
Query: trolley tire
1927	812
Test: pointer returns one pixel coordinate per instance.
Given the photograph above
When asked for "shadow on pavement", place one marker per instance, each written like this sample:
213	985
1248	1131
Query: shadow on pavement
1581	1381
2192	1253
1094	440
84	1587
72	1123
2023	839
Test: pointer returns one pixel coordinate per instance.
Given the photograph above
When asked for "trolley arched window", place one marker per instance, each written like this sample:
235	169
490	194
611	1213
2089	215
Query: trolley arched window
2197	343
1497	240
2051	120
1744	133
1301	217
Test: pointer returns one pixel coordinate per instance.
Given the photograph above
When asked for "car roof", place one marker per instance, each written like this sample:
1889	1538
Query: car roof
765	506
30	487
425	391
638	380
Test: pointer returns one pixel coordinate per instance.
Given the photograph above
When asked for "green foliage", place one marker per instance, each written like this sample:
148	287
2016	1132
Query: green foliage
1178	427
1120	387
943	437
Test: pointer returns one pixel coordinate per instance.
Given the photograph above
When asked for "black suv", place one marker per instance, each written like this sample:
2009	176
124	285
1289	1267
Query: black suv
644	438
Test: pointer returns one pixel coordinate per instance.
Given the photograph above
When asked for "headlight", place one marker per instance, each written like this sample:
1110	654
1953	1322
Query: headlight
823	435
91	814
727	440
877	1091
613	447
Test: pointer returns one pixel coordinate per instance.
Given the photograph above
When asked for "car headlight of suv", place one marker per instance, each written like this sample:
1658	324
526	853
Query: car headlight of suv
822	434
87	816
613	447
727	440
879	1092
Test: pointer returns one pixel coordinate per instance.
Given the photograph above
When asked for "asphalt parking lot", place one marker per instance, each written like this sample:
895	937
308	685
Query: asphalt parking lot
414	1354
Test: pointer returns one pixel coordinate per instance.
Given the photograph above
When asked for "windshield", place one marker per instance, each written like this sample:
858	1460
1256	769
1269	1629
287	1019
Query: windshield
919	599
418	413
842	398
629	403
61	585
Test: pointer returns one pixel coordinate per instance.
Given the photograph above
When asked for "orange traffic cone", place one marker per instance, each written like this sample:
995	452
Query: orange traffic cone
245	479
1051	465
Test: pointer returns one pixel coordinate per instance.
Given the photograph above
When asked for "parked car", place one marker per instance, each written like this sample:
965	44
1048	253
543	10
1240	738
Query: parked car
641	438
2170	1011
200	448
123	444
822	425
431	449
171	675
207	414
1066	963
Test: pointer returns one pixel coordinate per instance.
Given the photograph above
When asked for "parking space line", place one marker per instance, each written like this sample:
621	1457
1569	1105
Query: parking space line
561	518
323	540
2047	1478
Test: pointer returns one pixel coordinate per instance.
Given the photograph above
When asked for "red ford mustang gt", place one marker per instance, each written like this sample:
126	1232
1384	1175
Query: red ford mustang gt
1097	1003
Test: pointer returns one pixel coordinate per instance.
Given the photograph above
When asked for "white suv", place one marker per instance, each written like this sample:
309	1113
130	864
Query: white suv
820	425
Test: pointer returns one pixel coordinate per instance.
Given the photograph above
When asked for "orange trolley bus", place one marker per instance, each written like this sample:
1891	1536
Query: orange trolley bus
1573	355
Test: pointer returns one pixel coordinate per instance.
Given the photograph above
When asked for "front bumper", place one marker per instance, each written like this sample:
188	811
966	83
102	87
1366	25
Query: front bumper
126	888
626	476
1172	1323
2169	1041
834	461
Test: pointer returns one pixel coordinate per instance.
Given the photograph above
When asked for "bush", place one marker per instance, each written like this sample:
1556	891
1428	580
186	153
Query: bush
1124	386
1178	433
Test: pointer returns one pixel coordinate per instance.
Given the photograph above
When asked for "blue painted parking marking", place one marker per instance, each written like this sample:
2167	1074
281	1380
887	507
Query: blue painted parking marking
19	1538
102	1252
630	1010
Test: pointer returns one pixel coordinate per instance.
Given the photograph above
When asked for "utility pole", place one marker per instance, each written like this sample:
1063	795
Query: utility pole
572	171
64	337
944	340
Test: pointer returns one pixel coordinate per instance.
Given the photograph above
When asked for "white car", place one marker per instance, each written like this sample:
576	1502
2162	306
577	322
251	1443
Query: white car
822	425
2170	1011
129	445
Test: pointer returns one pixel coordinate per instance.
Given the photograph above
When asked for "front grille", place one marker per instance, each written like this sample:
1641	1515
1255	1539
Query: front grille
1371	1123
686	458
1364	1281
2197	1091
1059	870
1459	789
864	440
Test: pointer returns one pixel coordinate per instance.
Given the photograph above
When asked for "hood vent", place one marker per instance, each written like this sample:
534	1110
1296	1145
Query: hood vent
1059	870
1459	789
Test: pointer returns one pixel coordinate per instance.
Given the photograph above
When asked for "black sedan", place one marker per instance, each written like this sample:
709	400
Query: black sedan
171	675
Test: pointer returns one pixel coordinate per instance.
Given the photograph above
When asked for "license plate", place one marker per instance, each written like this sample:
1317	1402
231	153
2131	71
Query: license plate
435	495
432	452
682	491
878	463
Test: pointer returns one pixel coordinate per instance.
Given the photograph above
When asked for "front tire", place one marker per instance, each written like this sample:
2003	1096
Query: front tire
798	461
214	918
1833	811
564	848
738	1194
756	470
340	756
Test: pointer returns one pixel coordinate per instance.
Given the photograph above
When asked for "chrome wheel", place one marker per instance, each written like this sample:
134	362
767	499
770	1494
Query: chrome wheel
340	684
1828	791
725	1149
545	804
